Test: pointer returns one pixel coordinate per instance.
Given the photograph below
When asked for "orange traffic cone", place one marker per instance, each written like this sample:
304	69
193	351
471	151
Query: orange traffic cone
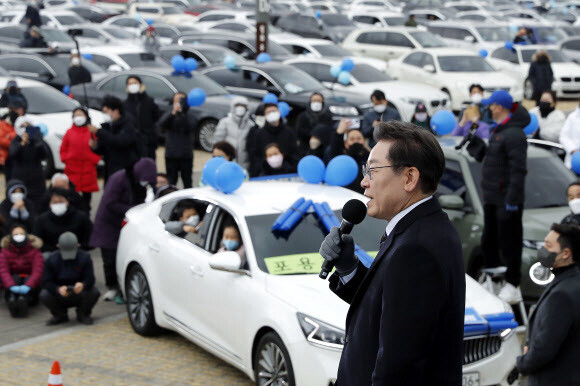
55	377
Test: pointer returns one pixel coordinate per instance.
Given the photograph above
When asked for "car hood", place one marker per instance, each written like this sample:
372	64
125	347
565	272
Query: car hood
566	69
537	222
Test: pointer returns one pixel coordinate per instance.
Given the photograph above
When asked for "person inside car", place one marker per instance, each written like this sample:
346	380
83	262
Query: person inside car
189	219
232	241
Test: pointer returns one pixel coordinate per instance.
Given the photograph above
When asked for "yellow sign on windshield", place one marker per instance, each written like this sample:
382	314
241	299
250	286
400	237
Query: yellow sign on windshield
297	264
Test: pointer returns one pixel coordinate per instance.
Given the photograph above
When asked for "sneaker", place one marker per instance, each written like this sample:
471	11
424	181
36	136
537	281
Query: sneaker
57	320
119	299
84	319
22	305
510	294
110	295
12	305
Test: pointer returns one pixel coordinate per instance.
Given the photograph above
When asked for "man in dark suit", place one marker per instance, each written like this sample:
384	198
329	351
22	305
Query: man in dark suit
551	357
405	322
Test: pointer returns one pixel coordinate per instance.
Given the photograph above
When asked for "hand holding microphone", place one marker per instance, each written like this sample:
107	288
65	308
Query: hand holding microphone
338	251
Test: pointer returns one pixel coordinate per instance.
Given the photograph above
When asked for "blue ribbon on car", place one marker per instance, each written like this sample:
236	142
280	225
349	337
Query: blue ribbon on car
287	220
490	324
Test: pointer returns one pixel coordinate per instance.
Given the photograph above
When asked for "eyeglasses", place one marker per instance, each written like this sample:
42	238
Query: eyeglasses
368	170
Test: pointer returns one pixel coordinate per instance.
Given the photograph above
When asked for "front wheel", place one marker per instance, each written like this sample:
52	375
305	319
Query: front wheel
272	365
205	134
139	303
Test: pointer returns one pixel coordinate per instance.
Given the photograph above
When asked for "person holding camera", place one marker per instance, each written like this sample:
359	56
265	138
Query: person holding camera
69	281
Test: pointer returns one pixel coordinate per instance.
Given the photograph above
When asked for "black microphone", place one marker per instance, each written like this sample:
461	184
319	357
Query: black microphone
353	213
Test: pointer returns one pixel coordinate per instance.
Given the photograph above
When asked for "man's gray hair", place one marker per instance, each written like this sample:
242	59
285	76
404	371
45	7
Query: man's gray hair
59	176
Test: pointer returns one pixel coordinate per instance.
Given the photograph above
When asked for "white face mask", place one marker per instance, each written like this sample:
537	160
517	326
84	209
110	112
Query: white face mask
240	111
19	238
314	143
59	209
575	205
107	118
275	161
316	106
272	117
79	120
380	108
421	117
476	98
75	61
16	197
260	120
133	88
192	220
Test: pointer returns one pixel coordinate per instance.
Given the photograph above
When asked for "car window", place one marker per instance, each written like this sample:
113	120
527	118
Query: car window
318	70
119	33
364	73
142	59
216	17
117	84
556	56
232	27
168	53
47	100
157	88
27	65
224	219
147	10
91	33
366	19
428	60
427	39
226	77
69	19
495	34
296	49
255	80
572	45
452	182
173	210
415	59
336	20
308	22
102	61
331	50
395	21
127	23
464	64
398	40
164	32
505	54
11	34
472	17
372	38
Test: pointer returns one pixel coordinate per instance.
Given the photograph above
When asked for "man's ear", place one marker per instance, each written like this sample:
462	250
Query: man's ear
412	176
567	253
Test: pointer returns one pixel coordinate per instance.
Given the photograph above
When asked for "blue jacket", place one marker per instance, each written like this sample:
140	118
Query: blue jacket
406	316
367	128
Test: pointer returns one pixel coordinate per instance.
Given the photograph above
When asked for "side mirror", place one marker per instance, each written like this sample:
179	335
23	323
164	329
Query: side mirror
114	68
228	261
451	202
273	90
469	39
429	68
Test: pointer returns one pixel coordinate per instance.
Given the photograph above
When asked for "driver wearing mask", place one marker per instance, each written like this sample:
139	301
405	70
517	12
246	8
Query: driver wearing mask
189	220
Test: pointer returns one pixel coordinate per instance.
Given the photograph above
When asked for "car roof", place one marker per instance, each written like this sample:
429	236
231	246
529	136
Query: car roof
115	50
388	29
329	61
22	82
289	39
449	51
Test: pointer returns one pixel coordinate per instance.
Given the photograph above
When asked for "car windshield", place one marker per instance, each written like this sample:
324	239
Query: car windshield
556	56
395	21
61	63
186	83
495	34
427	39
69	19
185	28
368	74
217	55
297	252
172	11
331	50
54	35
546	182
47	100
549	34
119	33
142	59
336	20
464	64
294	81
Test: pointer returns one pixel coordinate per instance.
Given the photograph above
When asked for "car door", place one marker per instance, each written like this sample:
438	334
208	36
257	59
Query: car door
115	86
231	80
410	67
372	43
104	62
396	45
310	27
11	35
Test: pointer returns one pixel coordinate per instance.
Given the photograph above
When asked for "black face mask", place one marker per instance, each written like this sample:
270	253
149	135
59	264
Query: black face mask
547	258
545	109
12	91
358	152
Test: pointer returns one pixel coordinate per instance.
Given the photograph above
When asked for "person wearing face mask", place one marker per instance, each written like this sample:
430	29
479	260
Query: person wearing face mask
124	189
7	132
12	93
471	116
21	267
33	39
69	281
116	140
179	136
274	131
552	349
150	42
573	194
146	114
319	141
234	130
232	241
570	135
16	207
421	118
550	120
79	159
315	117
540	74
25	155
380	112
275	162
62	217
475	97
77	73
504	174
189	221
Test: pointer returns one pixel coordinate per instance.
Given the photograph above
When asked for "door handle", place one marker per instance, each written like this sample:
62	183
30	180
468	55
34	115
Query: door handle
155	248
196	270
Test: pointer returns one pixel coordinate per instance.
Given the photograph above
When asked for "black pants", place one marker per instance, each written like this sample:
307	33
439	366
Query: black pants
58	305
176	166
86	200
502	240
109	256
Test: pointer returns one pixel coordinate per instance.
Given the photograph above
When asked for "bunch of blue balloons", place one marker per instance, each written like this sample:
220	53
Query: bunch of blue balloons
443	122
230	62
264	57
342	71
341	170
181	65
225	176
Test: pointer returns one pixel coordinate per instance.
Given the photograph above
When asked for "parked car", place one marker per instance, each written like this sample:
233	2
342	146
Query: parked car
206	55
51	18
571	48
471	36
104	35
12	35
161	85
119	58
452	71
516	62
293	325
167	33
426	15
128	23
92	13
323	25
165	12
365	18
222	15
544	34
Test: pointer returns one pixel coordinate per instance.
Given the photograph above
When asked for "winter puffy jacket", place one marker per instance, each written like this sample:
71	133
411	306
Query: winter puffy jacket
234	130
504	165
26	260
26	165
282	135
145	112
80	161
179	135
308	121
7	204
58	272
49	227
551	125
7	134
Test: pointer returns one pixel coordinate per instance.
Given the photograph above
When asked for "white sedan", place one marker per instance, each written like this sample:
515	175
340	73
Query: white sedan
268	314
364	79
54	109
453	71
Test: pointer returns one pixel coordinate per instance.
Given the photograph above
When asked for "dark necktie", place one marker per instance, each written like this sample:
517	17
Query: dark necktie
383	240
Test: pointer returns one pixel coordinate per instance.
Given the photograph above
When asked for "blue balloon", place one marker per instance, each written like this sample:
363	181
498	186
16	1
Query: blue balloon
347	64
318	14
196	97
149	21
270	98
209	170
509	45
138	17
344	78
335	70
533	125
178	63
284	109
341	171
88	56
576	162
66	89
230	62
229	176
43	128
483	53
311	169
443	122
190	64
264	57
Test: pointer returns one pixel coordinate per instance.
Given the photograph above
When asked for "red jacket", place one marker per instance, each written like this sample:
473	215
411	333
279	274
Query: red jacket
7	134
27	260
80	161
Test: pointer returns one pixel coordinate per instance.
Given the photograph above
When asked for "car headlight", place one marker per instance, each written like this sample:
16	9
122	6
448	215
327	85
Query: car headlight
413	101
343	110
540	274
320	333
532	244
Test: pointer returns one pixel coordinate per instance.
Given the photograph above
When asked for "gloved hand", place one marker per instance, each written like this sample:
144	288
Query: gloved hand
511	208
24	289
15	289
339	252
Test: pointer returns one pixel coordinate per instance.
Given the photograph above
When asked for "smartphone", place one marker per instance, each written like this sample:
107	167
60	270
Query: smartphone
354	123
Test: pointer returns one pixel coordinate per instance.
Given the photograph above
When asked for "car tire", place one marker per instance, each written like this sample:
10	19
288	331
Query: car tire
139	303
48	163
528	89
205	132
448	98
272	364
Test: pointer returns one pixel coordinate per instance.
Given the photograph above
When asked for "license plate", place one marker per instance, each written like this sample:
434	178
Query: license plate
470	379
